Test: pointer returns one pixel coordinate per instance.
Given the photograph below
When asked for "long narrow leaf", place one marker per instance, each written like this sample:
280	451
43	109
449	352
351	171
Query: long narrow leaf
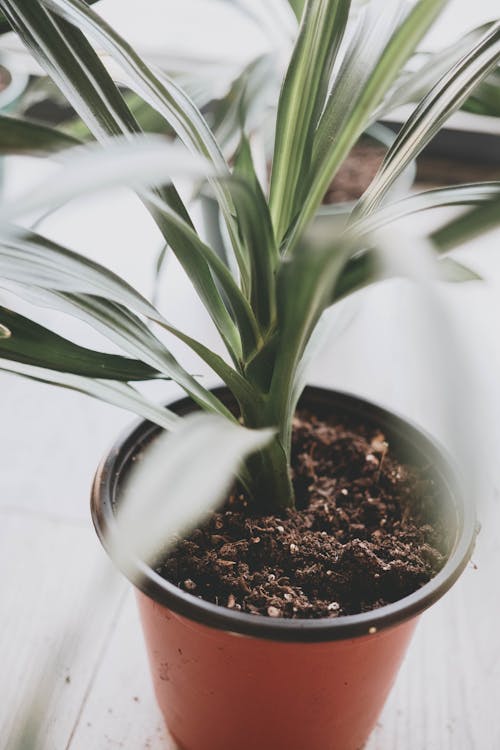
371	66
199	463
162	94
136	161
150	158
301	102
413	85
79	73
118	394
456	195
33	344
29	258
445	98
201	264
256	226
474	223
128	332
24	137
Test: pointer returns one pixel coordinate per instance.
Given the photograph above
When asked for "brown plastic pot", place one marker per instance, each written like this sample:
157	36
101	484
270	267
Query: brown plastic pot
230	681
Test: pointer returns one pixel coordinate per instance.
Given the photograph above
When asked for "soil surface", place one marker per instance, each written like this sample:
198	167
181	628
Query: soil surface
356	172
361	536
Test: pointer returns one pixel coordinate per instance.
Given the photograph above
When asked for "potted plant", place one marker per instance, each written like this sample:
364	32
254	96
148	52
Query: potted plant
318	601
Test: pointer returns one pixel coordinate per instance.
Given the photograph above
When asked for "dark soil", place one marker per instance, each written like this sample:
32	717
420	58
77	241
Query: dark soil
360	539
356	173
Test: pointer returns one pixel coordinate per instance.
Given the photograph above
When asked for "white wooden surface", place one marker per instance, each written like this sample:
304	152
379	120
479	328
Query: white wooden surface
87	649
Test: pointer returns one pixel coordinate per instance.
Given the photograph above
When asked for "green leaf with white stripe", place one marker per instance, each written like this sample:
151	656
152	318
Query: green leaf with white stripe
126	330
164	95
301	102
443	100
371	64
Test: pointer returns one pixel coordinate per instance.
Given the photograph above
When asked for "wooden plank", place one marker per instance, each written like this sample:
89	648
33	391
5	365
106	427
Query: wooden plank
51	442
120	711
448	691
48	570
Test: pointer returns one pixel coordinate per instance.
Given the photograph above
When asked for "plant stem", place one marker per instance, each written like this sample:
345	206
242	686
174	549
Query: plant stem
270	483
268	471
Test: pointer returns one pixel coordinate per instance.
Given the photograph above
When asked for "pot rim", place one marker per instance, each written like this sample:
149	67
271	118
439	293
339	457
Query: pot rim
103	501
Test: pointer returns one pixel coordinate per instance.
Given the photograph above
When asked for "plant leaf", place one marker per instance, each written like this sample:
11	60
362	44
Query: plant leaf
135	161
370	67
485	99
163	95
474	223
79	73
300	105
202	264
197	464
298	7
241	389
24	137
306	283
127	331
445	98
257	230
413	85
118	394
35	260
33	344
456	195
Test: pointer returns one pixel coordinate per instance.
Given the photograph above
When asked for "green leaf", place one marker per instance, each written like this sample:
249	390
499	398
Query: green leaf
202	264
242	108
298	7
36	261
456	195
370	67
242	390
118	394
128	332
5	26
163	95
300	105
485	99
413	85
445	98
306	283
23	137
453	272
198	463
33	344
466	227
256	227
79	73
146	159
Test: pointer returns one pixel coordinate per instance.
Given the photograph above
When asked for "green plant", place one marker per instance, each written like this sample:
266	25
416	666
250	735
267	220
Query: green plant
266	304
